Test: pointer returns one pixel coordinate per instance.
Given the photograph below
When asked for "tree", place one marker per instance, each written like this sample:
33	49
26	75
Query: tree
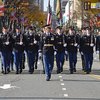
25	9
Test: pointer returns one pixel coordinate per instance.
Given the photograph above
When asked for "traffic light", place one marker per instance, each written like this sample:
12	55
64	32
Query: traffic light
87	5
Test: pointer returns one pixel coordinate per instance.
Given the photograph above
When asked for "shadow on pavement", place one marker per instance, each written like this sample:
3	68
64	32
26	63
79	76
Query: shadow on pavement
67	72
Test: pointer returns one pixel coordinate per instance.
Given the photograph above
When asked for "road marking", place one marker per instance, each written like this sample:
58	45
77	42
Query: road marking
61	80
64	89
7	86
95	76
60	76
62	84
65	95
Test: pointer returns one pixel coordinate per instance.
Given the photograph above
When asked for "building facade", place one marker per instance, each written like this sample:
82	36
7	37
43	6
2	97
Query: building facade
39	3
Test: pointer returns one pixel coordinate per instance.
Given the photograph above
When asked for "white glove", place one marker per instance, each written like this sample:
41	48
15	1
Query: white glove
35	42
66	52
7	43
55	53
75	44
13	53
65	45
21	43
97	52
91	44
81	53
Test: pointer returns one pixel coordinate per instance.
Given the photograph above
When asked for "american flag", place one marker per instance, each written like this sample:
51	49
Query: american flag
59	12
49	16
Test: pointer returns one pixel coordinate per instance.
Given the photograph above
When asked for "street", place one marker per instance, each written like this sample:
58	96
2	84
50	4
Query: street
44	28
64	86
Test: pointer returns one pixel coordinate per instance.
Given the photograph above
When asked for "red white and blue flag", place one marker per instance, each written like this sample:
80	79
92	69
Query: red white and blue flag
49	16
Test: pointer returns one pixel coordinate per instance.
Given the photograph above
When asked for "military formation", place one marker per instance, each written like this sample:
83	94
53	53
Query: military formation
18	47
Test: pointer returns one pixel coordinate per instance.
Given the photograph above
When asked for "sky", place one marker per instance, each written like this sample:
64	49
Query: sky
46	4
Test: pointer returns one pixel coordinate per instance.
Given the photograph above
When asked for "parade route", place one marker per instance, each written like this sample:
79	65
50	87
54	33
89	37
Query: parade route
64	86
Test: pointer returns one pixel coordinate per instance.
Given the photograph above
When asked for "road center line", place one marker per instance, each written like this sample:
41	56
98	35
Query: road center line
65	95
64	89
60	76
61	80
62	84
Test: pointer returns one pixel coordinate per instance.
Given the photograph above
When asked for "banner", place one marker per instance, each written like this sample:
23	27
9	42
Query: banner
59	12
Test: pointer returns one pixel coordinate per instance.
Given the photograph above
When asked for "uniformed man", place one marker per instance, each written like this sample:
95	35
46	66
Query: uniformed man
31	47
88	43
0	53
72	44
48	42
98	44
37	37
6	49
19	46
60	49
41	43
83	32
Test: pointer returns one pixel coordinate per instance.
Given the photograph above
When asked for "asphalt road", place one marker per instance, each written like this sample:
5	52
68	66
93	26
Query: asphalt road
78	86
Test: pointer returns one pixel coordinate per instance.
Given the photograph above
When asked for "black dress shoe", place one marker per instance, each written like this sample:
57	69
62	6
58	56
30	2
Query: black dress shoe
31	72
61	69
58	71
5	72
87	72
8	70
2	71
17	72
35	66
47	79
90	70
20	71
71	72
50	76
74	70
23	67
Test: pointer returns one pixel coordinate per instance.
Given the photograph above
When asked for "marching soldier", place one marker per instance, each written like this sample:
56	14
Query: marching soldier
98	44
81	47
60	49
48	42
31	48
40	54
87	44
37	37
0	52
72	44
19	46
6	49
